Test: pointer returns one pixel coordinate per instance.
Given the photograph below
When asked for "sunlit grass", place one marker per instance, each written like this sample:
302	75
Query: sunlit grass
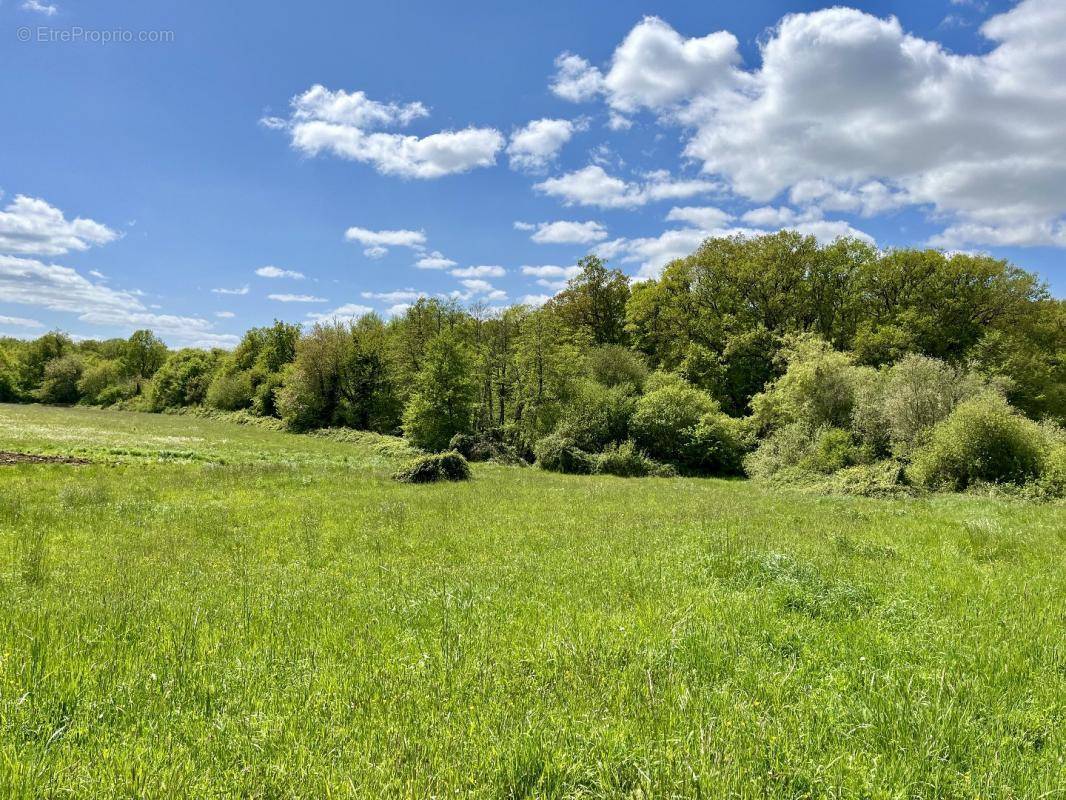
276	618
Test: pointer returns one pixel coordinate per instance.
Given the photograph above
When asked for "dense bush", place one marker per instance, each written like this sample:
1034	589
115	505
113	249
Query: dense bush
445	395
782	450
982	440
60	380
626	461
718	444
449	466
598	415
488	445
557	454
830	450
98	379
614	365
664	422
182	380
230	391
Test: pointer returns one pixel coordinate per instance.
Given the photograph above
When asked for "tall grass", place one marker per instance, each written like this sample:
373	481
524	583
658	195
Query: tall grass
296	624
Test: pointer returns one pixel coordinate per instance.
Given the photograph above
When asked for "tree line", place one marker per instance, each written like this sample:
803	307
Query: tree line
606	366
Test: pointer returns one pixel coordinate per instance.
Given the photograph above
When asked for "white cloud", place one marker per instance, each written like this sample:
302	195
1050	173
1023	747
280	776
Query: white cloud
592	186
48	9
706	217
238	291
399	296
534	300
565	232
296	298
58	288
480	272
435	260
30	226
346	124
536	145
20	322
349	312
225	314
576	79
848	112
277	272
551	276
377	243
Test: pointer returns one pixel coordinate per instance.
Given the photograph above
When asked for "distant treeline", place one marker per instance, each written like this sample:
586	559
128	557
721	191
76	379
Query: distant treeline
734	349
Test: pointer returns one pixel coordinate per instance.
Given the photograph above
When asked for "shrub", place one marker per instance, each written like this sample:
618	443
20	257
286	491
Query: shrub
558	454
781	450
897	410
598	416
626	461
664	422
230	391
488	445
615	365
445	395
265	398
982	440
718	444
99	380
182	380
1053	473
830	450
61	377
818	389
448	466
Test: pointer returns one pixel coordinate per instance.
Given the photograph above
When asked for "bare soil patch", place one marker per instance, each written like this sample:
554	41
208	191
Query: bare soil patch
7	458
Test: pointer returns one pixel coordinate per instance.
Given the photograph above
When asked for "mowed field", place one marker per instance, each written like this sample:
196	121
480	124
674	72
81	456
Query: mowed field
211	610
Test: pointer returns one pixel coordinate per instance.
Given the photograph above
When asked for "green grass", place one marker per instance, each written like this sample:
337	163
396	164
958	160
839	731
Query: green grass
270	615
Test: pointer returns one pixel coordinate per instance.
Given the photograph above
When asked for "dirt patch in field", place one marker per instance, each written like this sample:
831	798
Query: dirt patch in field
32	458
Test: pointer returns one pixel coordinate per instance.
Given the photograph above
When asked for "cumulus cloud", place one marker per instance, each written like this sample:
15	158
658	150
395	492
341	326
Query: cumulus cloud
849	112
487	271
398	296
593	186
652	253
30	226
435	260
564	232
536	145
377	243
58	288
551	276
296	298
576	79
278	272
349	125
349	312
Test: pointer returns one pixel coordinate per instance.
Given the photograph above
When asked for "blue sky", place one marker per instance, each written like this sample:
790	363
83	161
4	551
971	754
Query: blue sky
242	145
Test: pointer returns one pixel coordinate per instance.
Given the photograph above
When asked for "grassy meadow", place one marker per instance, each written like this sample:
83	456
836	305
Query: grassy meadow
215	610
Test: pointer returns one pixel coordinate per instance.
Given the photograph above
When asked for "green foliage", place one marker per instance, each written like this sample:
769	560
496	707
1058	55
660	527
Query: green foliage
598	415
614	365
486	445
183	380
9	377
448	466
982	440
718	444
59	383
594	302
143	355
665	420
830	450
445	396
555	453
626	461
896	410
231	391
105	383
265	397
782	450
818	388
